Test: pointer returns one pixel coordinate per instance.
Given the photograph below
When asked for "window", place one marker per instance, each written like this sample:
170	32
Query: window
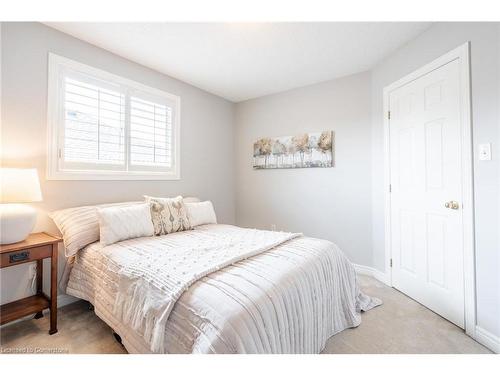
105	127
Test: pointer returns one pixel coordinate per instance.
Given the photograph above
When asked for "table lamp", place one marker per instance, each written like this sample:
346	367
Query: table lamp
17	186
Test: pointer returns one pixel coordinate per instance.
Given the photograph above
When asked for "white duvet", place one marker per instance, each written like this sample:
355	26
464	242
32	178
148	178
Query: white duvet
274	292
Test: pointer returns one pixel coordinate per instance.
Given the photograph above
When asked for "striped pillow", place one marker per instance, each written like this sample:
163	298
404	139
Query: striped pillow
80	225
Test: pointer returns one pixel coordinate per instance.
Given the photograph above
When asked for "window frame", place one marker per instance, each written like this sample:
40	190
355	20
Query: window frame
57	70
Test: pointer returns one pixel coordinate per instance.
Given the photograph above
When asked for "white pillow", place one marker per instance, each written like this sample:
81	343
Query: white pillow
191	200
79	226
121	223
201	213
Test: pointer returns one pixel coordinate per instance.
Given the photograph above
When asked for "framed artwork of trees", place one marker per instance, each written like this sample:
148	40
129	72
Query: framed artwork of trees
308	150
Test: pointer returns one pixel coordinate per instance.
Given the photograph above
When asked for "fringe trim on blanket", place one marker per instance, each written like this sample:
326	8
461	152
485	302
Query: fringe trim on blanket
365	303
134	306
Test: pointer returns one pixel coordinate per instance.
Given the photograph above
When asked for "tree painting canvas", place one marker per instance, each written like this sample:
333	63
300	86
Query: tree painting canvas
308	150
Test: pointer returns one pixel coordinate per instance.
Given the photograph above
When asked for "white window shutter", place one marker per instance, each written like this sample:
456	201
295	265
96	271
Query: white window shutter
105	127
150	133
94	124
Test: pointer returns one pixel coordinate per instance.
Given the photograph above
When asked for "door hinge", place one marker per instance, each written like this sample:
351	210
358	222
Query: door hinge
59	153
390	263
388	115
390	188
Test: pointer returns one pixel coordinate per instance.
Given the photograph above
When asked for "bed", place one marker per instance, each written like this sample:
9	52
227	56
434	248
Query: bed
284	293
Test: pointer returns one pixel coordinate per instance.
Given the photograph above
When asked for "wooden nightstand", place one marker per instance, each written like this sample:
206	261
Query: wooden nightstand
36	247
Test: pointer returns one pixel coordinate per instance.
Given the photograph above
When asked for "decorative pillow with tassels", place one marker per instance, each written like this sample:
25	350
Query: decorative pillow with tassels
169	215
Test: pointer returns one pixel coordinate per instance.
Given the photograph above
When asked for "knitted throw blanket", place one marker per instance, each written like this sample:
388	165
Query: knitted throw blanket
160	269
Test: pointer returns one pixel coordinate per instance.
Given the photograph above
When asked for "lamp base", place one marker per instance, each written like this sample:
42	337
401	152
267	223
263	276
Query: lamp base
16	222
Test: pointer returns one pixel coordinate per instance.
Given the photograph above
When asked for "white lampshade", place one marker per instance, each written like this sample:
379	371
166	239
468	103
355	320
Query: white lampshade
19	185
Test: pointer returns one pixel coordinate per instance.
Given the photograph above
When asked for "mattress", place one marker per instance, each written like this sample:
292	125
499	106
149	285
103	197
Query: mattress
289	299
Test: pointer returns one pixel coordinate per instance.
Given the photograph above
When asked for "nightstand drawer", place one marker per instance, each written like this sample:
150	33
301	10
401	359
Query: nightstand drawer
23	256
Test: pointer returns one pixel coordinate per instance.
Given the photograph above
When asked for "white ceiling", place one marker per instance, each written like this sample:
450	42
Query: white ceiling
239	61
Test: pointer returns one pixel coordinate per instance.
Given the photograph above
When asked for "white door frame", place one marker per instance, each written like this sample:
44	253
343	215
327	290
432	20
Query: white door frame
462	55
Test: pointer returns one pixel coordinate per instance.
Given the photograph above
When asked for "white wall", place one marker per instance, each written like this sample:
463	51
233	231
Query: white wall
485	75
206	133
331	203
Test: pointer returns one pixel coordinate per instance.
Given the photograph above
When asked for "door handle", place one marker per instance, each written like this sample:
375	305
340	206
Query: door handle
452	205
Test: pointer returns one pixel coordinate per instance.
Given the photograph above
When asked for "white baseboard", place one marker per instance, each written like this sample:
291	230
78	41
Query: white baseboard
373	272
488	339
62	300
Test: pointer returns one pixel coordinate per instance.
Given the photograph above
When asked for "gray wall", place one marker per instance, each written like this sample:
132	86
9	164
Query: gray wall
331	203
206	133
485	65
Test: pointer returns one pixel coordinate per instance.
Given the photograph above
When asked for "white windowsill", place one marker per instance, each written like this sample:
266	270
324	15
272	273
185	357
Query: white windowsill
111	176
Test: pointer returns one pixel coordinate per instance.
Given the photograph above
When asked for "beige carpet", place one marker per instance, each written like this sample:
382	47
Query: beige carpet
400	325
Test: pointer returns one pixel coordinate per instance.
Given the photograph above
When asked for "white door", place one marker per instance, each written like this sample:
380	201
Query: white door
426	193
